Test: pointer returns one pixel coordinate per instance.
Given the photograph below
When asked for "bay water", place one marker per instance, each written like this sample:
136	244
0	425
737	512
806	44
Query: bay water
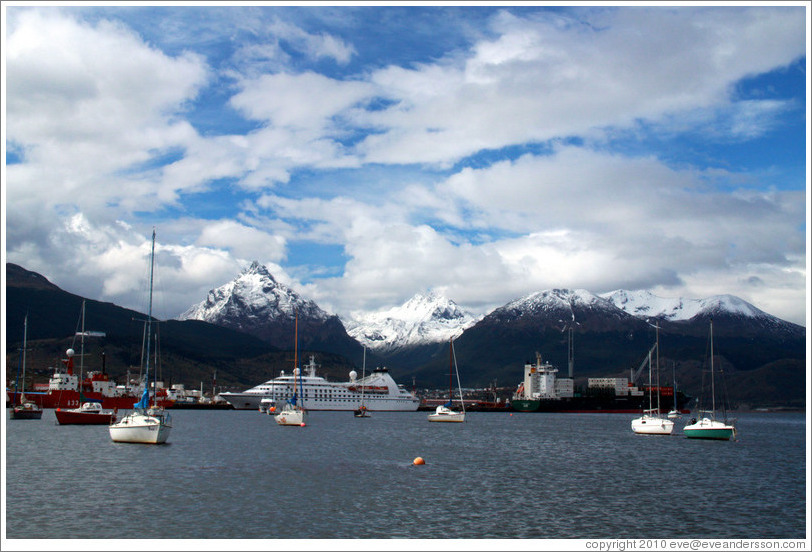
238	475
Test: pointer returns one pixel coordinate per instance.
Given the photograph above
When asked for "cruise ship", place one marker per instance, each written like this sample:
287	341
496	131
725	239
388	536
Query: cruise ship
378	391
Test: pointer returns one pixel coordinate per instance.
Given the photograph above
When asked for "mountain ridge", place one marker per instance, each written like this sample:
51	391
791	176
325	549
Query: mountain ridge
609	341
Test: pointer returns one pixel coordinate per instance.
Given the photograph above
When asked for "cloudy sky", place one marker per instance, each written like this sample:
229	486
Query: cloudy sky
366	154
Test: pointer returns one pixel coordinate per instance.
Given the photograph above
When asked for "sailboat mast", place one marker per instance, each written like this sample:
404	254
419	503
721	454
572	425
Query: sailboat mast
25	340
363	375
450	371
82	352
674	377
149	314
657	326
649	381
713	387
296	341
459	385
296	363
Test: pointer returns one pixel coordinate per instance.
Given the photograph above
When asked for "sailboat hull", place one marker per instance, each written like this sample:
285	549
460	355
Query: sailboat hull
709	429
652	425
25	414
458	417
291	417
141	428
76	416
443	414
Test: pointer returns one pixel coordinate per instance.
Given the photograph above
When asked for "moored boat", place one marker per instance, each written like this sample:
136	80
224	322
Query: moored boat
90	413
651	422
707	426
293	413
267	405
146	424
444	412
25	410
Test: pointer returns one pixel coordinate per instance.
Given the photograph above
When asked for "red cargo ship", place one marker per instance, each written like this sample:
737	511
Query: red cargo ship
63	391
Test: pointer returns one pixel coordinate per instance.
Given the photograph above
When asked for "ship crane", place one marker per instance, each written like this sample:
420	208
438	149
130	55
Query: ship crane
643	364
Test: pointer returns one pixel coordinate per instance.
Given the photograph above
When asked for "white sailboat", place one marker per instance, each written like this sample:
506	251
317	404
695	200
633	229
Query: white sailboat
444	412
707	426
25	409
145	424
651	423
294	413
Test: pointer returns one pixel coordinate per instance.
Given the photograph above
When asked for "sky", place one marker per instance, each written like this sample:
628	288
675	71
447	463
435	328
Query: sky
369	153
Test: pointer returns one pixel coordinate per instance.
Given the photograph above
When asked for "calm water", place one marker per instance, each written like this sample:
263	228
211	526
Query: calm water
236	474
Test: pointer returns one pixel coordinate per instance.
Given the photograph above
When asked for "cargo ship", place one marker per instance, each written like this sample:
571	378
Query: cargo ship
63	390
542	391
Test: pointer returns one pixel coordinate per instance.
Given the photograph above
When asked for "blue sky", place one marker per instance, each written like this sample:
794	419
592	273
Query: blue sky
369	153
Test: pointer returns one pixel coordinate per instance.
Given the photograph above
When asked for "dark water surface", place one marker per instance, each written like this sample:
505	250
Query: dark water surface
236	474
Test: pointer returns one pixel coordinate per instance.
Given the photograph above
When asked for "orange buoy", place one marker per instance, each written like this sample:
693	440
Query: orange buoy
418	461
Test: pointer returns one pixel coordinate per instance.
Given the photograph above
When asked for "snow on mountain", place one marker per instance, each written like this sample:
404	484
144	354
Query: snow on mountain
645	304
423	319
252	297
257	303
559	302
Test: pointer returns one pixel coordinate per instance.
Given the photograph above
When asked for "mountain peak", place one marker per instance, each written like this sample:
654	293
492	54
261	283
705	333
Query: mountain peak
257	268
555	300
254	295
425	318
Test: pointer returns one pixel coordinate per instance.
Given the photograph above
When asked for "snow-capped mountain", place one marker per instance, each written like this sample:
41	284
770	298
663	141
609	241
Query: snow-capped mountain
562	301
423	319
257	304
253	297
645	304
561	308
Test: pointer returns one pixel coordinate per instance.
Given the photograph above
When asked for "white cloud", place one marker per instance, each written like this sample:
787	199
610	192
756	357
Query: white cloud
575	218
541	79
287	100
101	119
86	104
315	45
243	241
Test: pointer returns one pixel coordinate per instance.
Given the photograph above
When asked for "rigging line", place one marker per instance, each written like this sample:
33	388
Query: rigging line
457	370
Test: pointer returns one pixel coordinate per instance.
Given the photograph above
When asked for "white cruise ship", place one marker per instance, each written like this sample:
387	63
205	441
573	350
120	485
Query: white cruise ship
380	392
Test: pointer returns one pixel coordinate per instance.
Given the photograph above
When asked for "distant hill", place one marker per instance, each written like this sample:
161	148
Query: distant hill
765	355
191	350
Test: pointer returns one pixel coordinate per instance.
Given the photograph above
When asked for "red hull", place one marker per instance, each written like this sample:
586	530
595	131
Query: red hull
72	417
70	399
